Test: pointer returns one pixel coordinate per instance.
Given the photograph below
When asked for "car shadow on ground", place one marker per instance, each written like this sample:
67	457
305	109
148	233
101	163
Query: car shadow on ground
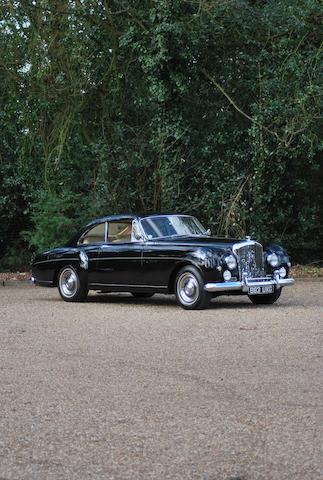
170	301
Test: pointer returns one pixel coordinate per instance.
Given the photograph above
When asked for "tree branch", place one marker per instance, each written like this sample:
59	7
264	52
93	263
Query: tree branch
233	103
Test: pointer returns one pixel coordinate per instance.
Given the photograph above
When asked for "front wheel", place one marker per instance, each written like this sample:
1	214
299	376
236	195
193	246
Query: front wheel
189	289
266	299
70	286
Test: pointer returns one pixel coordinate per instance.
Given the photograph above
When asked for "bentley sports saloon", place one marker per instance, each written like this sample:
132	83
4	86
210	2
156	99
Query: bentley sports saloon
170	254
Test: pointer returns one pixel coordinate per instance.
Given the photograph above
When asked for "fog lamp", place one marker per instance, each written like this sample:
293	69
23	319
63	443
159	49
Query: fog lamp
227	275
282	272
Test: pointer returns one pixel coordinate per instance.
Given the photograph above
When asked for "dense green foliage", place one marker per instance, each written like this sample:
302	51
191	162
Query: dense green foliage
210	107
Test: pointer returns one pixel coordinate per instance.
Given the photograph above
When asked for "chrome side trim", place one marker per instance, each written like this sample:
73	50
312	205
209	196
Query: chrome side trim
139	258
162	258
57	260
123	285
248	282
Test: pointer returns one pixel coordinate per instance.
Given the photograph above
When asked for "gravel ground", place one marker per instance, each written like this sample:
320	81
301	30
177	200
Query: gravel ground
118	388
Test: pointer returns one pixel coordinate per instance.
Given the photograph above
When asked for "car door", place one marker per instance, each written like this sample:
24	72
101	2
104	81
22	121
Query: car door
120	259
159	261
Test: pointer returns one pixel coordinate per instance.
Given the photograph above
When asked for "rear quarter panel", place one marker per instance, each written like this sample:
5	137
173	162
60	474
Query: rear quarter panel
47	265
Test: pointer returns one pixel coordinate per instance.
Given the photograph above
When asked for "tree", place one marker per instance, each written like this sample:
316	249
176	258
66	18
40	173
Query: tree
206	107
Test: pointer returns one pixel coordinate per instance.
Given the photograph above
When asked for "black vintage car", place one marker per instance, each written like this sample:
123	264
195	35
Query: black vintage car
150	254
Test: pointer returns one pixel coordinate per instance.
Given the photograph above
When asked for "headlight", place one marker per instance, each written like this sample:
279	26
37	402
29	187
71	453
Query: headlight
273	260
231	262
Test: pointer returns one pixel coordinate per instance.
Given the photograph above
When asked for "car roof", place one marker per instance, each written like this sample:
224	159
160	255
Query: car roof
131	216
109	218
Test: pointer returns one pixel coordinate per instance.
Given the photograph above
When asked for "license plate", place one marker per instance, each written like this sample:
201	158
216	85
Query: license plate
261	290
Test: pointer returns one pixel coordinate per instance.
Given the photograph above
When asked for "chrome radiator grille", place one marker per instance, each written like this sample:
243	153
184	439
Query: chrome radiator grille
250	259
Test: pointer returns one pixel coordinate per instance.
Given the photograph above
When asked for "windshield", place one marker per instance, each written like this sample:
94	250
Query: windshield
171	226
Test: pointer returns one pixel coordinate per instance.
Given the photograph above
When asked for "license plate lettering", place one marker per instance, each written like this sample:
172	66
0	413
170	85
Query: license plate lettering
268	289
261	290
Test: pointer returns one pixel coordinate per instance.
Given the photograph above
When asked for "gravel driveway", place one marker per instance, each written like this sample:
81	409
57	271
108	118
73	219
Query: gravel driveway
119	388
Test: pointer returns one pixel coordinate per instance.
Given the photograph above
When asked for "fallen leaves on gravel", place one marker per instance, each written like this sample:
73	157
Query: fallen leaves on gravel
5	276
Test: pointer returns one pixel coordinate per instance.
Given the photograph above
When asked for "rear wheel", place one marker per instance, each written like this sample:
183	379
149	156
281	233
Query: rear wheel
70	286
267	299
189	289
142	294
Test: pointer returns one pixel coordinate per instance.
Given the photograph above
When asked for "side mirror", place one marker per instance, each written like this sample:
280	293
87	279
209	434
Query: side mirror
138	236
208	232
136	233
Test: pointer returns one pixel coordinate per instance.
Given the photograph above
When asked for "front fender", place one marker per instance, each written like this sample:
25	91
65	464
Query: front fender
281	254
204	258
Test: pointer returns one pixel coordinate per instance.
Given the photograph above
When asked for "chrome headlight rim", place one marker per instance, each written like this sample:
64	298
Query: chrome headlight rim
230	261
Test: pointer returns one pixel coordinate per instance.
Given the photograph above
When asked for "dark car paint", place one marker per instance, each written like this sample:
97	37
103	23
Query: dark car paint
149	265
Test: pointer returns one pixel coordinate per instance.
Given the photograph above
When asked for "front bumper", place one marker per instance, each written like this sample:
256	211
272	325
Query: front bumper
246	283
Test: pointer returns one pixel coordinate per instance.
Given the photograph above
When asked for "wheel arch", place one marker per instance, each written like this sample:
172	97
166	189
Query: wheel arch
176	269
82	273
55	278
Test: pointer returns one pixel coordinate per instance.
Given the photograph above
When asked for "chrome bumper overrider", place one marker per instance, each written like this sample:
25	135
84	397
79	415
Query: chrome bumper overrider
246	283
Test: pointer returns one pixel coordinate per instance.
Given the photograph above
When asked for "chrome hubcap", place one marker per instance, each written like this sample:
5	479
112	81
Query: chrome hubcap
187	288
68	282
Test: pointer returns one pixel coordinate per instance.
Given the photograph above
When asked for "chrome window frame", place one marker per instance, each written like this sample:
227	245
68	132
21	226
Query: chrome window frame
125	220
79	244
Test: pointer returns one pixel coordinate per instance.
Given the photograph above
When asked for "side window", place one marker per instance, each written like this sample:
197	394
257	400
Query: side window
120	232
95	235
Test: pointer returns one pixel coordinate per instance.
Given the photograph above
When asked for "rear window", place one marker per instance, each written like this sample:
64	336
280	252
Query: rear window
95	235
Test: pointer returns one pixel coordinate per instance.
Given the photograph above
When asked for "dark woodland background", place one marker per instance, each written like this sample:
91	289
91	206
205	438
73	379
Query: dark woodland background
208	107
